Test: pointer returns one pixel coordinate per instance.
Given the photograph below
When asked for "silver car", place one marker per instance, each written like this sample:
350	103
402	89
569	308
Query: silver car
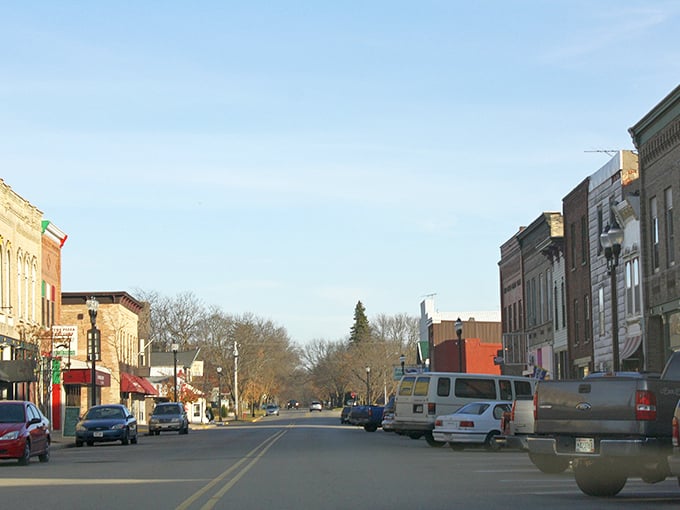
169	416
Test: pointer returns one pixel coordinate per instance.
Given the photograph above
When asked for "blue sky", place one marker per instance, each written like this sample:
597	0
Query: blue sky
288	159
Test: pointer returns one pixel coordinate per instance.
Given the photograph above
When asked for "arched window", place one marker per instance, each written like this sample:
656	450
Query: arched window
20	302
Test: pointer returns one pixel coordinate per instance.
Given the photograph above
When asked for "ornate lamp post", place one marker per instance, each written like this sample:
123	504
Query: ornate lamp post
368	385
459	334
93	347
219	392
611	240
175	348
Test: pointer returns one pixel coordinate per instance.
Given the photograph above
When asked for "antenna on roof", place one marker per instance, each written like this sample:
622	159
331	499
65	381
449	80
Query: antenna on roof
608	152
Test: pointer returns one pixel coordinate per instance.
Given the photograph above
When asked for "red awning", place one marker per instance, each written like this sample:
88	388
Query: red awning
83	377
130	383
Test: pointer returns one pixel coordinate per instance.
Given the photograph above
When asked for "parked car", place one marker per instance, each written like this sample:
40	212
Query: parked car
476	423
271	410
367	416
169	416
109	422
315	406
24	432
388	416
674	457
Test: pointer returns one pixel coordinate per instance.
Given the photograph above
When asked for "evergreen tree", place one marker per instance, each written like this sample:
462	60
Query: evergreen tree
361	330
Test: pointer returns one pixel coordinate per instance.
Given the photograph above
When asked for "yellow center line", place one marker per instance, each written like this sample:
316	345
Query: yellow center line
264	446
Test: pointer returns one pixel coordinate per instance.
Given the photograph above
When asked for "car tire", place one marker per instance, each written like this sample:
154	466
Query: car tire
45	456
415	435
90	443
157	432
125	441
549	464
79	443
489	444
432	441
133	440
601	479
26	455
370	428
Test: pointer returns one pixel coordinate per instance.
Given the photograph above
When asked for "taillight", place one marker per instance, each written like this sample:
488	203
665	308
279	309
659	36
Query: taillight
467	424
431	408
645	405
438	423
512	411
535	404
676	432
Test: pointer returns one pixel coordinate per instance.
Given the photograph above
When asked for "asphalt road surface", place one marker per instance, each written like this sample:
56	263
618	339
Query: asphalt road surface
300	461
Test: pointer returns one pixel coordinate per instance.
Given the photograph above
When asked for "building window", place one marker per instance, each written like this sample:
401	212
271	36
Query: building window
541	299
670	238
586	318
577	323
600	227
654	233
600	309
564	305
584	241
556	304
572	245
548	295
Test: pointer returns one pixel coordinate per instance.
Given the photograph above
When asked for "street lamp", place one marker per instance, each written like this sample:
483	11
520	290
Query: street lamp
611	240
459	334
368	385
93	347
235	381
175	348
219	391
402	360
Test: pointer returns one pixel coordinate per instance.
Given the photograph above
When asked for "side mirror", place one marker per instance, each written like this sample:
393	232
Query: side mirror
33	421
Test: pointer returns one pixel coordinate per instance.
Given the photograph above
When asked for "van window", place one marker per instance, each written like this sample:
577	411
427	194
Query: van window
475	388
443	386
422	387
406	387
505	388
523	389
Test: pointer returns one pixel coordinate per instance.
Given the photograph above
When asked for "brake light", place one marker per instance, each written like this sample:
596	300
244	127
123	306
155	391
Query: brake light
431	408
645	405
512	411
535	404
676	432
438	423
467	424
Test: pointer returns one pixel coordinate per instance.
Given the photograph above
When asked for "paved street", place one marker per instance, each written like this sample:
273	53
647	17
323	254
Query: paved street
298	461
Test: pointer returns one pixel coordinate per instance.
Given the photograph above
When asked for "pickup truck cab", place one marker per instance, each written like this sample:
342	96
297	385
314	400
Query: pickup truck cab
610	427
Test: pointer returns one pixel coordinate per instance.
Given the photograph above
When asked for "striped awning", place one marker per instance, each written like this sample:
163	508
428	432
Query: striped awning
631	342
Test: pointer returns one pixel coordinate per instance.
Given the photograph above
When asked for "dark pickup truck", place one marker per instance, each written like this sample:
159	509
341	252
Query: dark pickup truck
609	427
367	416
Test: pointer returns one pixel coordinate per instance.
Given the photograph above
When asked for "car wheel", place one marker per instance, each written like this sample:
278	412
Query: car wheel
158	432
600	479
133	440
489	444
370	428
549	464
45	456
415	435
26	456
125	439
79	443
90	443
432	442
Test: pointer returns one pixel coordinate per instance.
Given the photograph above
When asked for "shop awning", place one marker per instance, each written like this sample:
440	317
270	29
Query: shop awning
83	377
130	383
19	370
632	341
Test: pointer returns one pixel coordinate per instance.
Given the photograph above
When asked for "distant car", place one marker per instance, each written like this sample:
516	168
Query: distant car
476	423
108	422
293	404
271	410
169	416
315	406
24	432
388	416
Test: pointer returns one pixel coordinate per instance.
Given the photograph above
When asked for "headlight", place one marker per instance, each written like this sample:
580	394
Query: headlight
10	435
118	426
81	428
153	421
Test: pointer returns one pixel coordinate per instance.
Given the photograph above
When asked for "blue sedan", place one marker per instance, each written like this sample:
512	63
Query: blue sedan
110	422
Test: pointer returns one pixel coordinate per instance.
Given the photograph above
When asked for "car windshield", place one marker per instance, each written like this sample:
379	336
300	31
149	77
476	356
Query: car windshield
105	413
12	413
166	410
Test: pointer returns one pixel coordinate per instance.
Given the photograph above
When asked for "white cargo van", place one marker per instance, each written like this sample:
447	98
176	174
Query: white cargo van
424	396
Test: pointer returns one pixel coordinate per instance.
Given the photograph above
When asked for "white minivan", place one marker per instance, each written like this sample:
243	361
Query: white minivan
422	397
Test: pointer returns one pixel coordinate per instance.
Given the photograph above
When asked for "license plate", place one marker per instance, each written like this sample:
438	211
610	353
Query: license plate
98	434
585	445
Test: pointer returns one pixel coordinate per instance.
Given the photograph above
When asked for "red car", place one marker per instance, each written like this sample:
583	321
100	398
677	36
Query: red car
24	432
